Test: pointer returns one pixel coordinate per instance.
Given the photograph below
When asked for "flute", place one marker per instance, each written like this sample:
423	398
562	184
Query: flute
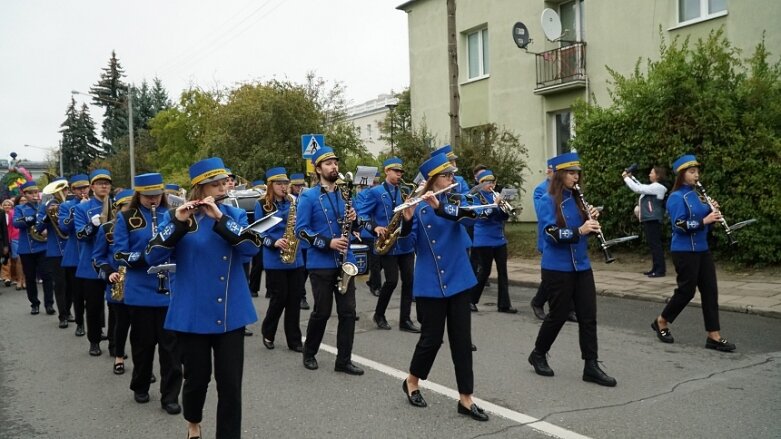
417	200
199	203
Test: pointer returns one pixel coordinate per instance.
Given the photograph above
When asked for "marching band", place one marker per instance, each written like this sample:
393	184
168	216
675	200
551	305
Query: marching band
173	270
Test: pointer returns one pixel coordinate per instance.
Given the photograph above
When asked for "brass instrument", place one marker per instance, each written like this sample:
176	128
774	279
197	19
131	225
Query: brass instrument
56	192
603	243
288	255
118	287
727	228
383	244
348	269
106	213
413	201
162	278
505	205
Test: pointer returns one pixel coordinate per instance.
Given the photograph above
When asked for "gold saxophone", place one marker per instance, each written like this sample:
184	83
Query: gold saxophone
288	255
118	287
382	245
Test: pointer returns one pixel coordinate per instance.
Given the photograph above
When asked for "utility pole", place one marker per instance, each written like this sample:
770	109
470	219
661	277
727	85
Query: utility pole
452	70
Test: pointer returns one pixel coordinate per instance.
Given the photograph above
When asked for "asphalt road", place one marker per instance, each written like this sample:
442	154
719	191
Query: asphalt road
51	388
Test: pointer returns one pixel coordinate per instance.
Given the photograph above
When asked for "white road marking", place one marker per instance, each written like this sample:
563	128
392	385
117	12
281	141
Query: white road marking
521	418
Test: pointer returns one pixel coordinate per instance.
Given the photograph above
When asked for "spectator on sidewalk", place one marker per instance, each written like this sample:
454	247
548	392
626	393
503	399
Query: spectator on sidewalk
651	213
691	218
12	270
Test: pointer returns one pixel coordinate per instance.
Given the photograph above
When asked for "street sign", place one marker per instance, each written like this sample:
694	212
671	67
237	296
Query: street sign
310	143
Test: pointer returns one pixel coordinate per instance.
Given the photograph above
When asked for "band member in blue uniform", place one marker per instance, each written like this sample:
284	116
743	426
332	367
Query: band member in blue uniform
79	187
443	277
284	278
256	270
173	189
32	250
210	301
298	185
147	295
566	269
377	208
55	246
447	151
691	218
490	244
103	260
320	218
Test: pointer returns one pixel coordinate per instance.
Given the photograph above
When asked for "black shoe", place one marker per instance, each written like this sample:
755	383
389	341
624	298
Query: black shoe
269	344
538	311
648	272
253	293
474	412
508	310
94	349
408	326
572	317
474	348
71	318
310	363
35	309
268	294
473	307
304	303
8	283
152	379
140	397
172	408
63	324
719	345
357	317
79	331
103	336
662	334
349	369
296	348
414	398
656	274
248	333
119	368
593	374
381	322
50	311
540	364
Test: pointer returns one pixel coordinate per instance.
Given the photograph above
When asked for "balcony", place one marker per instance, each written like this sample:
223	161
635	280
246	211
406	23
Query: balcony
561	69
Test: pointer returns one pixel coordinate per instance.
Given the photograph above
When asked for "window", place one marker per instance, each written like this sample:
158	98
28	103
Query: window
562	131
369	131
690	10
571	14
477	53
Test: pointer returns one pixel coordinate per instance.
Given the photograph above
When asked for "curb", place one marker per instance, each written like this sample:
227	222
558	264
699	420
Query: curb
743	309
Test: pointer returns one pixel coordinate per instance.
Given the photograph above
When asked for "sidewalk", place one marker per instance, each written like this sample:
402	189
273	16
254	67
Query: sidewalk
739	292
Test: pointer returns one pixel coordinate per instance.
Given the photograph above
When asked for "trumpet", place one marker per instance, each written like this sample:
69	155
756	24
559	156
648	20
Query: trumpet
414	201
723	221
603	243
505	205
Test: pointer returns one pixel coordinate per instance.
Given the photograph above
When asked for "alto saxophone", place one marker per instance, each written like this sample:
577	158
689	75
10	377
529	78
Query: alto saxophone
382	245
118	287
288	255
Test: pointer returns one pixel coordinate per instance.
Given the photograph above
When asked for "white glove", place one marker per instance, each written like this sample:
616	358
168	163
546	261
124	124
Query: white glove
95	220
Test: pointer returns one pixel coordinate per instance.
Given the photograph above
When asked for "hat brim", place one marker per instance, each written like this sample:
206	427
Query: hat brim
571	168
214	178
152	193
448	170
394	168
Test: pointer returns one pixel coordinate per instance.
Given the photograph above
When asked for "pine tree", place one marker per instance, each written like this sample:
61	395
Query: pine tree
111	94
68	144
160	99
87	141
143	107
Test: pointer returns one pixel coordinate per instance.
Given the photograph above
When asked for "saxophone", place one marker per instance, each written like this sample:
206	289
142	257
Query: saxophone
288	255
385	244
118	287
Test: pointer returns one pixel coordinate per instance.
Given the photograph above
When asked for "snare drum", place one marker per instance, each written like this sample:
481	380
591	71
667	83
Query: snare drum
361	253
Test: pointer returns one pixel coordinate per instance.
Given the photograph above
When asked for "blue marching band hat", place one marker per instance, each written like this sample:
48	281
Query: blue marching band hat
207	171
79	180
322	154
257	183
485	175
565	162
276	174
297	179
685	161
149	184
99	174
447	150
393	163
173	188
29	185
437	164
124	196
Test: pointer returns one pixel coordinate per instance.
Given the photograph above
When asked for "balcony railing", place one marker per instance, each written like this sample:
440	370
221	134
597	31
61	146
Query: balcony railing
562	66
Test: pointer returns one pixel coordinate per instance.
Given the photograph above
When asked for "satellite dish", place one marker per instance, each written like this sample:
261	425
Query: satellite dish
551	24
520	35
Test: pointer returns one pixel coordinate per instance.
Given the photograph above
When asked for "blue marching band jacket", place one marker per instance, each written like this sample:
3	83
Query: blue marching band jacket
215	297
272	255
25	221
563	247
55	246
85	233
65	218
103	256
375	208
686	211
318	220
132	233
489	232
539	191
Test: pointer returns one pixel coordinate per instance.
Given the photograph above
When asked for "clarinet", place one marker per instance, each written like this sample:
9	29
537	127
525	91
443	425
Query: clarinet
162	279
603	244
722	220
347	270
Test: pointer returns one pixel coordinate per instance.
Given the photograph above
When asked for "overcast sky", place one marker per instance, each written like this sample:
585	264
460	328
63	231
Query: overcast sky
48	48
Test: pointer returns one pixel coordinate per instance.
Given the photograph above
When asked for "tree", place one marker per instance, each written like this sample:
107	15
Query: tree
411	145
160	99
111	94
143	106
80	146
498	149
452	71
704	100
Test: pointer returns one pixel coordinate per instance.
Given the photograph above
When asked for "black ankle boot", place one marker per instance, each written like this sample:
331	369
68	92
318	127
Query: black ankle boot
592	373
540	364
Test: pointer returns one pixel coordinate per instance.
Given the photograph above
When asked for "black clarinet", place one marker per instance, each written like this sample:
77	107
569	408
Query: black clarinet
162	278
603	243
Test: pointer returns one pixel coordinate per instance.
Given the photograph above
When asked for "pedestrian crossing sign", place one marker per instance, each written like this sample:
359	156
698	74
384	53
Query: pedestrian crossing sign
310	143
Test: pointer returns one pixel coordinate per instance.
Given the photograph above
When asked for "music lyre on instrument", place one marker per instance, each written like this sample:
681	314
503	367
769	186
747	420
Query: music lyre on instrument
605	245
723	221
162	277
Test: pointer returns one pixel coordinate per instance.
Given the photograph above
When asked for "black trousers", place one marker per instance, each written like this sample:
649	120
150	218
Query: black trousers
228	351
76	292
653	234
287	289
485	258
94	290
392	265
695	271
118	327
374	266
566	288
256	272
33	265
61	292
146	323
542	295
324	290
434	315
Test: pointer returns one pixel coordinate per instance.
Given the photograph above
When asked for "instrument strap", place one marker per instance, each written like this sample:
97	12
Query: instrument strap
393	195
337	194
